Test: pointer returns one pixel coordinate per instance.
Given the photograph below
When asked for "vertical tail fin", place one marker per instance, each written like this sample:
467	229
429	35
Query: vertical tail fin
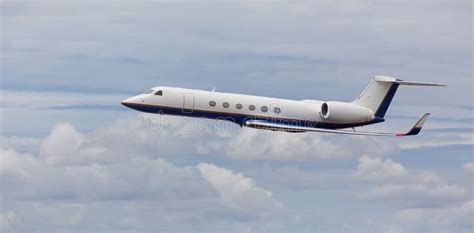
380	92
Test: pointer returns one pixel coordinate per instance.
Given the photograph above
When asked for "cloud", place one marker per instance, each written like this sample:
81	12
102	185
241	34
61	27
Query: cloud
441	139
424	201
61	143
468	167
377	168
20	143
119	141
15	165
296	179
151	186
419	193
237	190
74	174
121	170
452	219
393	183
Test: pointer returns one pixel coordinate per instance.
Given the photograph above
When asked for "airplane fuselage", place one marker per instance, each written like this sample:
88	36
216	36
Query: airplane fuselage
237	108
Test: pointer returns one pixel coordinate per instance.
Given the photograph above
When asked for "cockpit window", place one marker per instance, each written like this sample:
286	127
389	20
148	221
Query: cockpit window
160	92
150	91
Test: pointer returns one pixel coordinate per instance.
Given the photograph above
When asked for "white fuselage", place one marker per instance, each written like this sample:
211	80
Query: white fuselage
236	108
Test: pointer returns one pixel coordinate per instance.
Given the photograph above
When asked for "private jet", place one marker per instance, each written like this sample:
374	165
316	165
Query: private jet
281	114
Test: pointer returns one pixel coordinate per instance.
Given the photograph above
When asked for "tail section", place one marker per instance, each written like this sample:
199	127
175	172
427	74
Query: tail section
379	94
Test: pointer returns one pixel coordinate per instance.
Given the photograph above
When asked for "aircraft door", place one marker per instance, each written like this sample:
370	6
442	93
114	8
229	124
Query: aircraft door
188	103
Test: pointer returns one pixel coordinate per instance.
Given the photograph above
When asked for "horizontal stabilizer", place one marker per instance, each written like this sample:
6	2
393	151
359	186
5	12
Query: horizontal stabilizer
380	92
407	83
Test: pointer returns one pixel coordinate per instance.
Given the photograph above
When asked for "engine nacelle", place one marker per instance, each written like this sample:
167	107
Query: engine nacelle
340	112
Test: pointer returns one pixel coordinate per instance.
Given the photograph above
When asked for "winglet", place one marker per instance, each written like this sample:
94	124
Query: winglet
417	127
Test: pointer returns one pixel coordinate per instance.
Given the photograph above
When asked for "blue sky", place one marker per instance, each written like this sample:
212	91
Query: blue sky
74	160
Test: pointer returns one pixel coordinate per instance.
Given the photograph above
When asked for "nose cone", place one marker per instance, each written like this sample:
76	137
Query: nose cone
132	102
127	102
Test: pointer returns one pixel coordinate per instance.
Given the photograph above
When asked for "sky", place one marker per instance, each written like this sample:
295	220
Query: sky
72	159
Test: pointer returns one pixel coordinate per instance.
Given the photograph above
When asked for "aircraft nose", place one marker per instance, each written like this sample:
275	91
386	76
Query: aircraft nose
130	102
135	102
126	102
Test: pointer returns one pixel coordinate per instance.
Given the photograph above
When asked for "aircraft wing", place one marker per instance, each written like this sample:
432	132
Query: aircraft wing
275	126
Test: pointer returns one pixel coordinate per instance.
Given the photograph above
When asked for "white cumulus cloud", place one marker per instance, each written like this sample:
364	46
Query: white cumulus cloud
236	189
391	182
378	168
70	177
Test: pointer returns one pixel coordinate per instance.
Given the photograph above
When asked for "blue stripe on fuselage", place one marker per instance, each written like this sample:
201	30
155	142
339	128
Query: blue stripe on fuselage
241	118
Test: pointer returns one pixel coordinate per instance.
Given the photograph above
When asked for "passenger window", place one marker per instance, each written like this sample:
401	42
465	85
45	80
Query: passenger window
251	107
238	106
225	105
276	110
264	108
212	103
160	93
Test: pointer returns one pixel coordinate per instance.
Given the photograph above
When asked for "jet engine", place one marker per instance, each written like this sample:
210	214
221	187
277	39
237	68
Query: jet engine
340	112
